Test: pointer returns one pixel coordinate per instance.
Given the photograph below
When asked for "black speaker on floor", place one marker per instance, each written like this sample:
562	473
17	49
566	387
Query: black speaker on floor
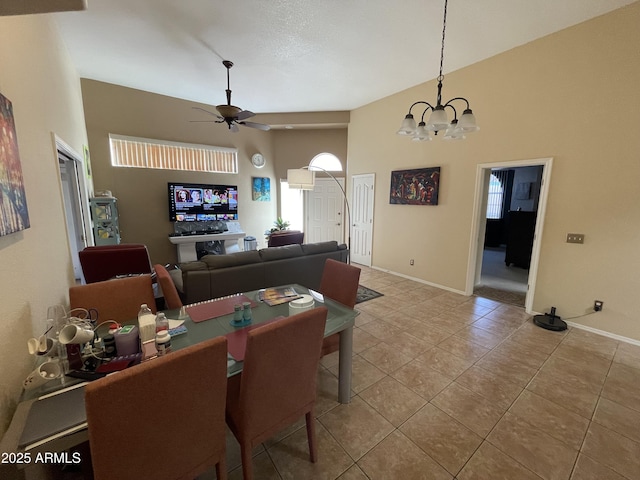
550	321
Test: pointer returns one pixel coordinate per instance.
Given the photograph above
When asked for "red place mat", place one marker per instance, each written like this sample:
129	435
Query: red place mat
202	311
237	340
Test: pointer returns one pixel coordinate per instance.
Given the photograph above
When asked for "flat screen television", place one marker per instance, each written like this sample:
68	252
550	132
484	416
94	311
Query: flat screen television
193	202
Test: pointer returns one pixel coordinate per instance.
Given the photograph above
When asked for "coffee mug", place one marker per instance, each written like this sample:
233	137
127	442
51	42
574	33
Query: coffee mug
73	333
41	375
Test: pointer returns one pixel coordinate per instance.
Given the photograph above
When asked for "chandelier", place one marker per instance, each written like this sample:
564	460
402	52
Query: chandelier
438	119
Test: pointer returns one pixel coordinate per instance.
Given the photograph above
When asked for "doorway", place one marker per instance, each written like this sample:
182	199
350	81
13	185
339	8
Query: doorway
505	249
74	201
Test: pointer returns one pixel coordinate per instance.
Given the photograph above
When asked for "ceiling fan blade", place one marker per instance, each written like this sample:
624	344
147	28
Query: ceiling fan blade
207	111
259	126
244	114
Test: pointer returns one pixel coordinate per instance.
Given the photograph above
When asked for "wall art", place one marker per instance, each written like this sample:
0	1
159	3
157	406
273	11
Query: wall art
14	215
419	186
261	189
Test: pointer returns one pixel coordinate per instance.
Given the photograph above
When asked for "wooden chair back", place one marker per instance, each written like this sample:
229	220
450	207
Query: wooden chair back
278	381
118	299
162	419
340	283
172	299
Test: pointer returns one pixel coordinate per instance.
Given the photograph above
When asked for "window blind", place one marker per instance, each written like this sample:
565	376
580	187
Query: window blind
148	153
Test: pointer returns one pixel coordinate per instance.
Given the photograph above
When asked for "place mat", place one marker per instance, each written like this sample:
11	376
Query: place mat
237	340
218	307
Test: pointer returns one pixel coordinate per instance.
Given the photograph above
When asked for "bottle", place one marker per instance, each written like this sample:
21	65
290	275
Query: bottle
162	323
237	313
127	340
144	310
163	342
246	311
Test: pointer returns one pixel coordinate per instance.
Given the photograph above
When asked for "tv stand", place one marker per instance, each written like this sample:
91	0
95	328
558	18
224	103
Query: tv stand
186	243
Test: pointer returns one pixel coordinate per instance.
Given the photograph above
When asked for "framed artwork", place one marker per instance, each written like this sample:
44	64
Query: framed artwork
14	215
419	186
261	189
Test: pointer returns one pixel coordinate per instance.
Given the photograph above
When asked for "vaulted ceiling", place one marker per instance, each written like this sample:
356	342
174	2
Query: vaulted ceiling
300	55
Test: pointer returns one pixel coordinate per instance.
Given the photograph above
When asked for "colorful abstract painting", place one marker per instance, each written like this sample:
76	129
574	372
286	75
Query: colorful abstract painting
261	189
13	203
415	187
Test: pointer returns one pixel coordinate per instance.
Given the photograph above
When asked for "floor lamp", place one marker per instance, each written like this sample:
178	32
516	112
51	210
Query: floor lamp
304	179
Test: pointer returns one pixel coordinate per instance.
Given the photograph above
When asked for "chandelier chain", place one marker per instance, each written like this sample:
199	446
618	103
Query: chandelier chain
444	27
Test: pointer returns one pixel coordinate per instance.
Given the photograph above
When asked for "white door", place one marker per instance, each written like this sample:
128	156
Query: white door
362	221
325	211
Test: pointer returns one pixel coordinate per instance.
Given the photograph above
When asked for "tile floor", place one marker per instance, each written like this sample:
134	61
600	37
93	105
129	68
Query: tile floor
454	387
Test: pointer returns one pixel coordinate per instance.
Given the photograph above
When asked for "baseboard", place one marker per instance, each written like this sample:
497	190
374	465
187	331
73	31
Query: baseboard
419	280
572	324
605	334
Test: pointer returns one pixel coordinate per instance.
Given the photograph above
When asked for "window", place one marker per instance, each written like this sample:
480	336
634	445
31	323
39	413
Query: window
291	205
495	199
326	161
147	153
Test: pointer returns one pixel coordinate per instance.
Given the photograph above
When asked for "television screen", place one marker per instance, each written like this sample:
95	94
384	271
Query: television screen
192	202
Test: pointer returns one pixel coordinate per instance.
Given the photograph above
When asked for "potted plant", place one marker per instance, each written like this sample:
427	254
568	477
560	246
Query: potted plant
278	226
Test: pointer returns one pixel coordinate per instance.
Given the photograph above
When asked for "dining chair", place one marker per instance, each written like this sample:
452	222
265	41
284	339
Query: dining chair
103	262
172	299
118	299
162	419
278	382
340	283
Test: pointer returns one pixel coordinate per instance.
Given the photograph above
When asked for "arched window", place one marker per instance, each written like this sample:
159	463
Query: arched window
326	161
495	199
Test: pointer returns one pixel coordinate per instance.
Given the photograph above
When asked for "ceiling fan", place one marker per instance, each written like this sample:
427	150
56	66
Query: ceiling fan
230	114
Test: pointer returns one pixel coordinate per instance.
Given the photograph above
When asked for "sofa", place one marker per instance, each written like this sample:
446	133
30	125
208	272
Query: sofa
218	275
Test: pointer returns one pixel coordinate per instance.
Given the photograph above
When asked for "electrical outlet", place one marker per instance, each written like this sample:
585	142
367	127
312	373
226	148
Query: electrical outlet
597	305
575	237
411	262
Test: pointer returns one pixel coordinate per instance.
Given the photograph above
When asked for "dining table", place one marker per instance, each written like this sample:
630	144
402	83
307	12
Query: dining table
196	328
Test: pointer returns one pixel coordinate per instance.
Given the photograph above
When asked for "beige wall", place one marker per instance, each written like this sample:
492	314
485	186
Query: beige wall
38	78
572	96
142	193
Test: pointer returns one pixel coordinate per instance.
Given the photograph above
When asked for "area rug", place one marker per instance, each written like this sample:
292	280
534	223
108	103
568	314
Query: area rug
513	298
365	294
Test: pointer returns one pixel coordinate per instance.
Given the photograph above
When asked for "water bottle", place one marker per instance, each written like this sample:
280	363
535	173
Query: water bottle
144	312
162	322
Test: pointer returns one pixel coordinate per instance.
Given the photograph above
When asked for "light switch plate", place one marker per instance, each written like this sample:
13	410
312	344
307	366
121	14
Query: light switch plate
575	237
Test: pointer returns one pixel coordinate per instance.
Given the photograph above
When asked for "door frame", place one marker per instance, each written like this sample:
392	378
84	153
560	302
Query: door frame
82	206
476	244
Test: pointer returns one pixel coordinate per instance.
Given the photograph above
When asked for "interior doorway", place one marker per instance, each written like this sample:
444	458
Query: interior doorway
75	202
509	211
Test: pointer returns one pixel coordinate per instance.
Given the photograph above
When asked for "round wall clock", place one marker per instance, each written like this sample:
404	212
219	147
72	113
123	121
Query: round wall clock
258	160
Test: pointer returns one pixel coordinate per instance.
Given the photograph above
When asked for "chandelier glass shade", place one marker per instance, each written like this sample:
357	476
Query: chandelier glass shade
438	120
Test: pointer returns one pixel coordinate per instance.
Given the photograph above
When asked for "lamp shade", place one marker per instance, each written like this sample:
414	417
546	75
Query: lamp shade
422	134
467	121
408	126
301	179
438	119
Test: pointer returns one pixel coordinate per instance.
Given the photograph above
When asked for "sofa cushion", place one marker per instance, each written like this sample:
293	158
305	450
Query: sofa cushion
193	266
320	247
231	259
278	253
